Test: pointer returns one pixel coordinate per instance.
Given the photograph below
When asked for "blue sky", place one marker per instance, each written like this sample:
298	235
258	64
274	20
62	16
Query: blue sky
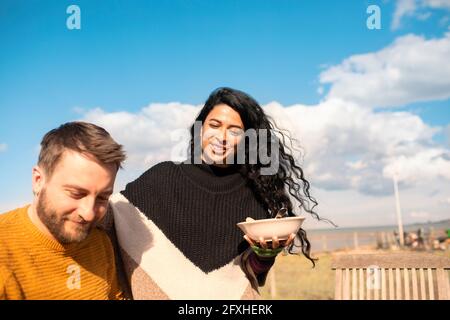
129	54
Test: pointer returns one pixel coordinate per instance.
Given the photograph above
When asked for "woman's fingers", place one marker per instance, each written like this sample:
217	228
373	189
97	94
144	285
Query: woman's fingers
250	241
290	239
262	243
275	242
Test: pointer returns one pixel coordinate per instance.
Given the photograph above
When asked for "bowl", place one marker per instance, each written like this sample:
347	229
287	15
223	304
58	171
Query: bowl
267	228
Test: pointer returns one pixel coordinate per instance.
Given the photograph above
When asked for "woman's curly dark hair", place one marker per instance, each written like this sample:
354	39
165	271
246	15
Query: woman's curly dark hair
272	190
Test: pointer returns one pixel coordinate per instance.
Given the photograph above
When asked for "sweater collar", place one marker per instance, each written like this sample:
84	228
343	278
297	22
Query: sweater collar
214	179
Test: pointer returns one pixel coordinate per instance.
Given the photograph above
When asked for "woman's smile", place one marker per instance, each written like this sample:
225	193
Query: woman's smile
218	149
221	134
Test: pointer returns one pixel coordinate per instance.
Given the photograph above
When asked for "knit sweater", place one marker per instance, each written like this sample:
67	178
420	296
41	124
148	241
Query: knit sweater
34	266
177	235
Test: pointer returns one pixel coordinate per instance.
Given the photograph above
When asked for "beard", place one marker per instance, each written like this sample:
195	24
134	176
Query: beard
55	222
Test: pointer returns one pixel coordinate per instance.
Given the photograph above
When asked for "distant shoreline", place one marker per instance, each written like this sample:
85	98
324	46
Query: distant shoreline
406	227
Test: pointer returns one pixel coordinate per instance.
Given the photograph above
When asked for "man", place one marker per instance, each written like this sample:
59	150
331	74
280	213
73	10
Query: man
52	249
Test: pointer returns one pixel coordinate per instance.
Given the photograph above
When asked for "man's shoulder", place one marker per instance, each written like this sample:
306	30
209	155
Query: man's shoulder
99	237
10	232
10	220
98	234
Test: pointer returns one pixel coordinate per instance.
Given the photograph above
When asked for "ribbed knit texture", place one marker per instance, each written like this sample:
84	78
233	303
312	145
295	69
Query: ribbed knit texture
197	207
34	266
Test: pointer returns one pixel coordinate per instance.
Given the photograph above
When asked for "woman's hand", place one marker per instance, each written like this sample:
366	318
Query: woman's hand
275	242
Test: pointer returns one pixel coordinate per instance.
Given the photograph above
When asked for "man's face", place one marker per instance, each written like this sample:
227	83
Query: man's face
75	197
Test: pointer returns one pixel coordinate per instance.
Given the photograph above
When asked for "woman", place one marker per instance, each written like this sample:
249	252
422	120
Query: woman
176	224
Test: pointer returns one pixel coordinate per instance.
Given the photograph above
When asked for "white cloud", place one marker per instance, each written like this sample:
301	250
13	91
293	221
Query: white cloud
411	69
416	8
3	147
437	4
148	136
403	8
425	165
345	145
349	149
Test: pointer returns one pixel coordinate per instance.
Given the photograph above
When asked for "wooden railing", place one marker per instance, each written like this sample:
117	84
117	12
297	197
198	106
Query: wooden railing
391	276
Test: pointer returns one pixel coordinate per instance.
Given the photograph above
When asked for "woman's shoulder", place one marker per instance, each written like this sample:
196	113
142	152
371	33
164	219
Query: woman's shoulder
156	175
154	178
161	168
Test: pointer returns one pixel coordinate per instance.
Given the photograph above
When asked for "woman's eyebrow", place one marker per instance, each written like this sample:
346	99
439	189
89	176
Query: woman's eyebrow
230	126
235	126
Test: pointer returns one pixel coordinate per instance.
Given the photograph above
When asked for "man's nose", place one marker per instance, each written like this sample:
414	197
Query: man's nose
87	210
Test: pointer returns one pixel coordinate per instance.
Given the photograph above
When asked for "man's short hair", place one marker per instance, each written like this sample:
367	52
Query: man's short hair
83	137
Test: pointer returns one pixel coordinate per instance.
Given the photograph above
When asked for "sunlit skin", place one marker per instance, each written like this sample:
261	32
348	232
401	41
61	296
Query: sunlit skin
222	131
75	197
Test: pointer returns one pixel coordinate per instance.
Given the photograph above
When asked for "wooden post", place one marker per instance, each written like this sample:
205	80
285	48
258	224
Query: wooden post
431	238
442	283
423	294
346	285
354	284
414	284
398	285
406	283
383	284
392	241
338	285
361	284
391	282
430	284
399	212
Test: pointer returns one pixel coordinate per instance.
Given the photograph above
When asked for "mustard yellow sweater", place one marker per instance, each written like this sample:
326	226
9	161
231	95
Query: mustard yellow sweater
33	266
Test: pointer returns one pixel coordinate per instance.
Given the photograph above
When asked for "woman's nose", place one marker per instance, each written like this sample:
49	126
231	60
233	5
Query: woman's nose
222	136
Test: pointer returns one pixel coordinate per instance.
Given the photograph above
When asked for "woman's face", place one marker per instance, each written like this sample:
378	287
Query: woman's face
222	131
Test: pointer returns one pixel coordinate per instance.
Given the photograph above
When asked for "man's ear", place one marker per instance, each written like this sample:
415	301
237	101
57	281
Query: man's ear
38	179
